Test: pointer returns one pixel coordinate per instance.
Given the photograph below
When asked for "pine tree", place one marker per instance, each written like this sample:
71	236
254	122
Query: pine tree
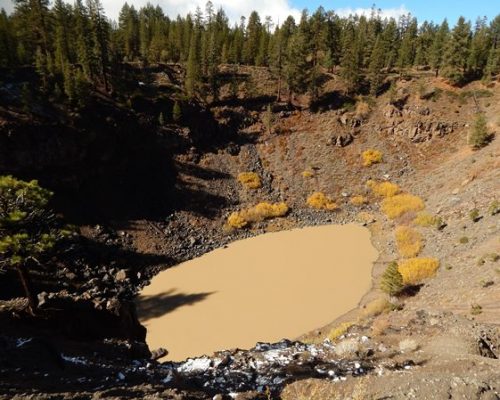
27	229
193	68
390	38
392	280
439	43
457	53
479	136
84	43
351	59
253	33
99	28
8	41
296	68
213	66
479	49
493	64
69	83
377	59
408	44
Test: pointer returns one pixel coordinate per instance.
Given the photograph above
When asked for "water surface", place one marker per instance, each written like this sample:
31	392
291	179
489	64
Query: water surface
274	286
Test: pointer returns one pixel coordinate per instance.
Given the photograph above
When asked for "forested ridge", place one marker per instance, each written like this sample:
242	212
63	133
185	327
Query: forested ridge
76	46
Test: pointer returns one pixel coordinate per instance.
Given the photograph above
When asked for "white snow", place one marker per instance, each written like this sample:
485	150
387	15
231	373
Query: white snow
195	365
75	360
20	342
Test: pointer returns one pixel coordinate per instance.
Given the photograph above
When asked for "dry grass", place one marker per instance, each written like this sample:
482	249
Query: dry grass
340	330
426	220
250	180
376	307
408	345
358	200
416	270
383	189
371	156
320	201
260	212
409	241
362	109
347	347
396	206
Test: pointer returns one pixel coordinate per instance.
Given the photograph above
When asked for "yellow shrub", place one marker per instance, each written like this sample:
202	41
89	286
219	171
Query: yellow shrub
400	204
426	220
409	241
339	330
358	200
320	201
415	270
383	189
259	212
235	220
307	174
371	157
250	180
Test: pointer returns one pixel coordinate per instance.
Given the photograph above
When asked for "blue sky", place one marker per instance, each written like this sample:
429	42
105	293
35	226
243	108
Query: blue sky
435	10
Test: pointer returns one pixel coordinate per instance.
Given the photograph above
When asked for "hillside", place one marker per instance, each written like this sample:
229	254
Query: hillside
145	203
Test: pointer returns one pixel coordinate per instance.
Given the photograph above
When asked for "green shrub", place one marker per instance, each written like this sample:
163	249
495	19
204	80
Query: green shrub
392	280
27	228
474	215
463	240
479	136
494	208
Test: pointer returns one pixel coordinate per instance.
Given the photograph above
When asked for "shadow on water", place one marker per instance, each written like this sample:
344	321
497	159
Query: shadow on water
160	304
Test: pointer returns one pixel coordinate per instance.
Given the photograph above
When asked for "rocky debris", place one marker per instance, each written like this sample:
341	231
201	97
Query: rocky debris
267	367
341	139
350	121
400	98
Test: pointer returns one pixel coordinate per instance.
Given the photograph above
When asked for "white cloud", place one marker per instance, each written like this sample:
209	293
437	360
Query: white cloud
277	9
384	13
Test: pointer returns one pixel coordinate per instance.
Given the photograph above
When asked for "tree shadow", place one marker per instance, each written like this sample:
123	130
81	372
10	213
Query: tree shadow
199	172
160	304
332	101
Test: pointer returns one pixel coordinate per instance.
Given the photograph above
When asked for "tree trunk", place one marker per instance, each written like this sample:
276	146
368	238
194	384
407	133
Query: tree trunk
28	288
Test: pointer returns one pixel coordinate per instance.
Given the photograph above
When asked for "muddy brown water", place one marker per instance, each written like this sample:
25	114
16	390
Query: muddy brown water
266	288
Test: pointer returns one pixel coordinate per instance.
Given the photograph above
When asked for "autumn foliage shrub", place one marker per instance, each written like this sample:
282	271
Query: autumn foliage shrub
409	241
358	200
250	180
383	189
395	206
371	157
426	220
416	270
307	174
320	201
260	212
